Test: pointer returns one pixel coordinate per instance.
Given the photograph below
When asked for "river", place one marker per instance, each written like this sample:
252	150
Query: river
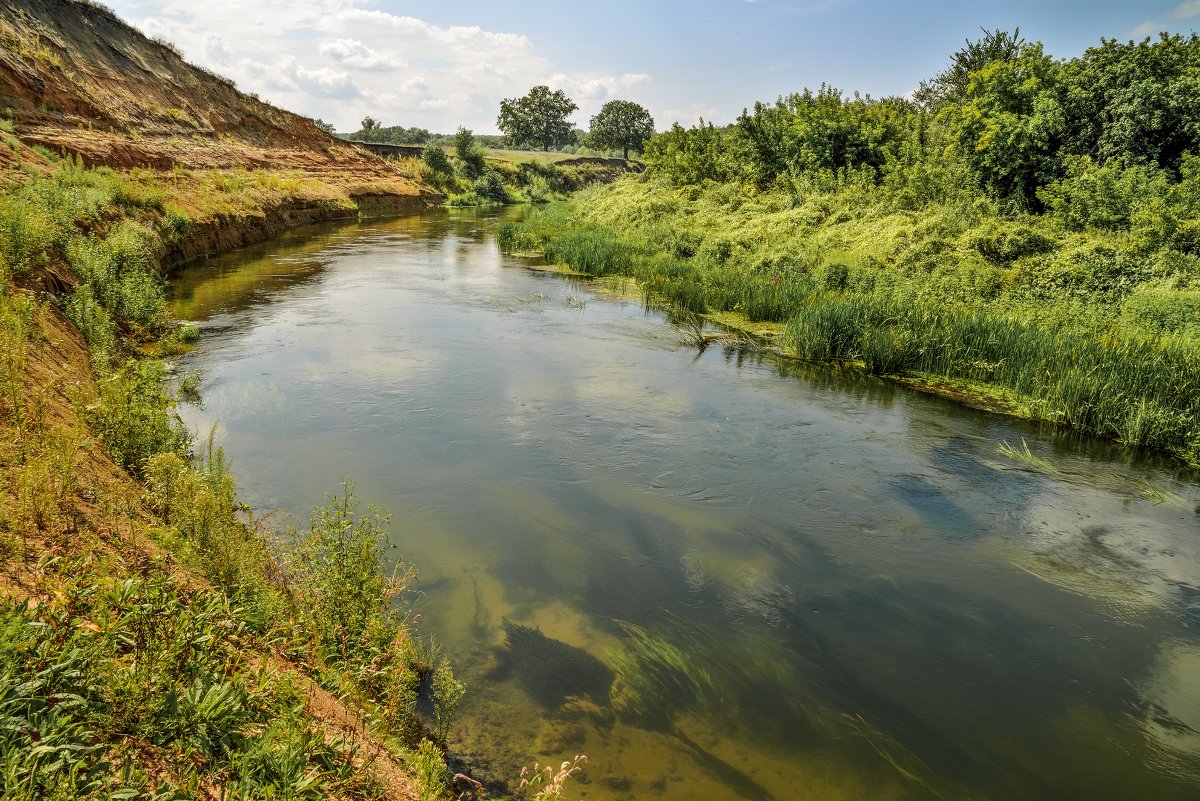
716	574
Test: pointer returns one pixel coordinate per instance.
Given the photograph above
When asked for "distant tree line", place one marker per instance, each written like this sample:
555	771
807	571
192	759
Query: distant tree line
1015	118
540	120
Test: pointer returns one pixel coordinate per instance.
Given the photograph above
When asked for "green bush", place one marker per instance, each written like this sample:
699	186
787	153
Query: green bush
490	187
133	417
436	159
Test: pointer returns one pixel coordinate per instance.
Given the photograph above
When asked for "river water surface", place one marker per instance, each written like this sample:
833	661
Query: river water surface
717	575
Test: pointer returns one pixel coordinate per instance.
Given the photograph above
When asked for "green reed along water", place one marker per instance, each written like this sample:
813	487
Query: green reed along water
717	575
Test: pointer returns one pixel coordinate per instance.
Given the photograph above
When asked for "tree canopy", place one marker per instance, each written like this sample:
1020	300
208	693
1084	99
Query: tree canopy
1014	119
621	125
539	117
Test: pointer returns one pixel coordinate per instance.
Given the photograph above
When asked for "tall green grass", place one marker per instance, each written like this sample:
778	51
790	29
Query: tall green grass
1143	390
103	668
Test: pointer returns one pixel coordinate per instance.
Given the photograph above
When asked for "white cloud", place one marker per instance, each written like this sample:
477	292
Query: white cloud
596	88
1186	10
687	116
342	60
1147	28
326	82
353	53
215	52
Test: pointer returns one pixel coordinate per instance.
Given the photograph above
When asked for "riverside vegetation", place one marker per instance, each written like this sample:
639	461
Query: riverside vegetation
1023	234
471	176
155	640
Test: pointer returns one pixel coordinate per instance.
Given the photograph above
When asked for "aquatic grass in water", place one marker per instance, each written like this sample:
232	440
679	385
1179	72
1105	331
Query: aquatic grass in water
1025	457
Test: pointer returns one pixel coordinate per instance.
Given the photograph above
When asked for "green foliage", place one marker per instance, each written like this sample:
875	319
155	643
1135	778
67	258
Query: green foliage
621	125
395	135
490	187
447	692
1134	102
950	85
93	321
540	117
689	156
1108	197
429	766
820	132
133	417
1010	126
338	568
104	667
437	161
120	272
1163	311
470	157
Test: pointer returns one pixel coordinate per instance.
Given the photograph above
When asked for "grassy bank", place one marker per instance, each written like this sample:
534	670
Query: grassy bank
1093	328
155	641
470	175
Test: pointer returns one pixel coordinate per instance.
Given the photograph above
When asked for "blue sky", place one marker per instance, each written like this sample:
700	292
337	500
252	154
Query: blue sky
439	65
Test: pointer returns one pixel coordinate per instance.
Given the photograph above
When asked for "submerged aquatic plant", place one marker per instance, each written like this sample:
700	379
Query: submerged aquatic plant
1025	457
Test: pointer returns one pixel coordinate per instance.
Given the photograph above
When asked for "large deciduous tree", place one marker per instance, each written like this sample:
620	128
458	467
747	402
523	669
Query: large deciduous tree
539	117
1010	127
950	85
621	124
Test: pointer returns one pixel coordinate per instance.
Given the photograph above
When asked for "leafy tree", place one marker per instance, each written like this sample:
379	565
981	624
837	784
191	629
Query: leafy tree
539	117
621	124
1137	102
691	155
1010	127
950	85
468	153
396	135
464	143
370	124
324	126
436	159
820	131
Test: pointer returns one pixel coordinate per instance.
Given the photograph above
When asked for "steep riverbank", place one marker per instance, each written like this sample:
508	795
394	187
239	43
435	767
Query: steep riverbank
103	514
151	643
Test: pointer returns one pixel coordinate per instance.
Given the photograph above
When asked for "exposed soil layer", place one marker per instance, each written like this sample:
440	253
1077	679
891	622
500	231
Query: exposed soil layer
75	80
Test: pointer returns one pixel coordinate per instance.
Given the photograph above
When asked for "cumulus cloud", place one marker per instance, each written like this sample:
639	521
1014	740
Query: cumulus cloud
342	60
1147	28
598	88
353	53
1186	10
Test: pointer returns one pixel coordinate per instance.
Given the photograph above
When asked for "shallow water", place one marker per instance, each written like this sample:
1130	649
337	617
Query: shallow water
716	575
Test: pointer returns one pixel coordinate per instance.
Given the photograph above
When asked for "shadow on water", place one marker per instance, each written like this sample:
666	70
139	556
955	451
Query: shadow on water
551	670
725	773
936	509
